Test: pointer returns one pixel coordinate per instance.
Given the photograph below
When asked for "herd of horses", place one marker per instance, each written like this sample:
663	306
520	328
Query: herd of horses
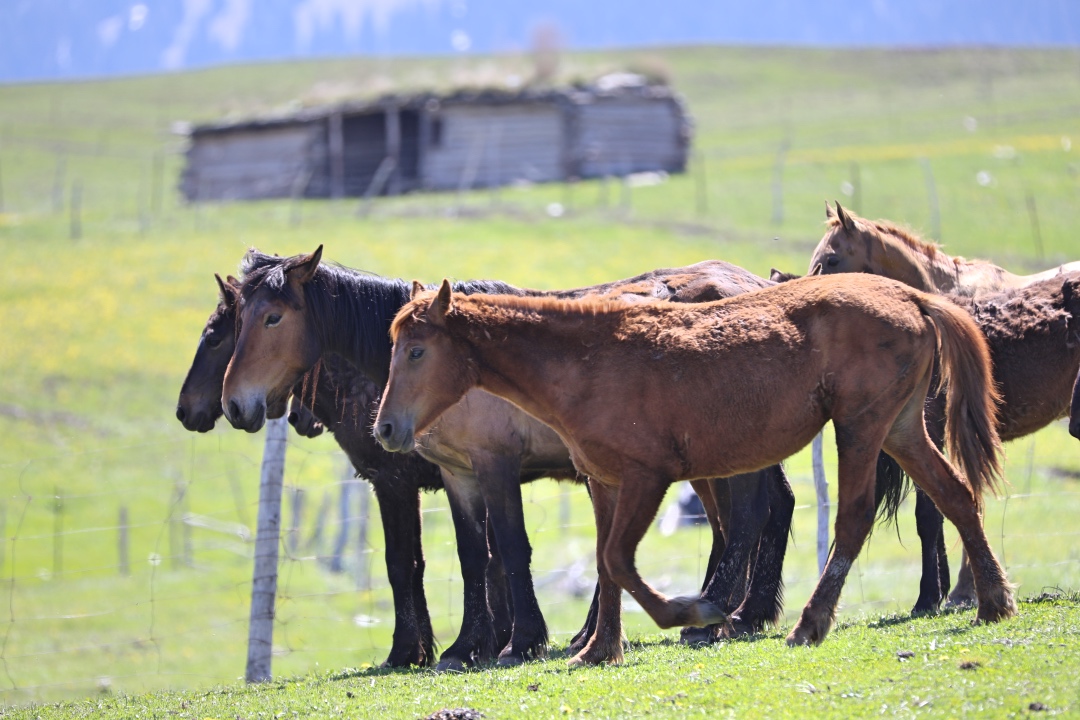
704	373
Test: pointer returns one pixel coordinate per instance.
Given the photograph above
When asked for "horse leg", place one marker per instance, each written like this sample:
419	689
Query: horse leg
476	641
963	595
638	500
499	478
716	499
764	602
577	643
934	585
605	644
909	444
929	523
855	510
498	592
399	508
749	513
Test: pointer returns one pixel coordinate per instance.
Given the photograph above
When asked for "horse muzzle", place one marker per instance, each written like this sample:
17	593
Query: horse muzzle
250	417
395	437
195	420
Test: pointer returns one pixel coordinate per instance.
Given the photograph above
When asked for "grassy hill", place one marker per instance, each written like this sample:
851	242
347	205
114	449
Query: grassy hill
99	326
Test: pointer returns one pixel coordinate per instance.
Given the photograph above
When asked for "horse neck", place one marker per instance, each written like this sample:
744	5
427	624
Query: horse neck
916	268
524	357
352	314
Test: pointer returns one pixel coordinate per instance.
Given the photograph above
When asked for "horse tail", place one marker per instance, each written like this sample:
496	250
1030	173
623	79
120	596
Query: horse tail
891	488
971	398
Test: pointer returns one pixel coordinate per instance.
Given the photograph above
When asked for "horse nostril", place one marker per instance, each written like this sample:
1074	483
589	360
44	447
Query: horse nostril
386	430
293	417
180	414
234	410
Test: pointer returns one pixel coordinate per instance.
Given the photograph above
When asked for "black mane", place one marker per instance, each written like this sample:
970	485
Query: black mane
351	310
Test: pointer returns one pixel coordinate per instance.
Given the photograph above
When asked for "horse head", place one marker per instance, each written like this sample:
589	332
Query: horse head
199	405
275	344
429	369
845	246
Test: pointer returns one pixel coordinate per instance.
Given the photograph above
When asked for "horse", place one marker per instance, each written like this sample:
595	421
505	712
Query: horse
880	247
343	401
1034	338
646	394
299	309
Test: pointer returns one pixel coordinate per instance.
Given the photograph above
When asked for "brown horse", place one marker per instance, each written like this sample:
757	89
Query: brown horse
344	403
646	394
296	309
880	247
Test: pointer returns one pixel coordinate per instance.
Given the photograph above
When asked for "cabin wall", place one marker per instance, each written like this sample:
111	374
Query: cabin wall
485	146
249	164
618	136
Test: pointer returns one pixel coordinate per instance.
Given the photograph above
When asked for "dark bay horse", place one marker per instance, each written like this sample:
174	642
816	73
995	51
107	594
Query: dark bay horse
649	393
343	402
880	247
301	309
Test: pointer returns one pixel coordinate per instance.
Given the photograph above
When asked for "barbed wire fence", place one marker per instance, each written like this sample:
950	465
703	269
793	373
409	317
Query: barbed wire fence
173	608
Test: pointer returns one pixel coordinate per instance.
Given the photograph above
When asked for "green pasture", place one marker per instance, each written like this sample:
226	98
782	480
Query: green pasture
100	312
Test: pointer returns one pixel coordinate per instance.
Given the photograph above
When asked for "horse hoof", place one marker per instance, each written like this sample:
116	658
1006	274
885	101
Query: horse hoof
697	635
452	665
510	660
737	628
960	602
806	635
711	614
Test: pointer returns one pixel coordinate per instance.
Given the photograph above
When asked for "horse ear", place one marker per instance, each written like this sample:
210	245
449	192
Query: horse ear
442	304
417	288
816	271
227	290
844	218
304	269
829	212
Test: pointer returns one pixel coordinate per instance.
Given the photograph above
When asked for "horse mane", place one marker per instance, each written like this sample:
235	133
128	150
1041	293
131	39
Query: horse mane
523	304
339	297
907	237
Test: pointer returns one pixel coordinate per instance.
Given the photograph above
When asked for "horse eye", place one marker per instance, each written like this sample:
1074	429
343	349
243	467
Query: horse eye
415	353
832	261
272	320
213	342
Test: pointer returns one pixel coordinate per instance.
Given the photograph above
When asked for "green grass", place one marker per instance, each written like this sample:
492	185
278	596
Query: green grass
892	666
98	332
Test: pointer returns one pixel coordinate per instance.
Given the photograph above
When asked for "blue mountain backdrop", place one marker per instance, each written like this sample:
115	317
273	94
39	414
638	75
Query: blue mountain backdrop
56	39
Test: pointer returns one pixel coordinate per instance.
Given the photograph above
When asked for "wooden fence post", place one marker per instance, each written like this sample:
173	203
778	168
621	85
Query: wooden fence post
821	485
267	538
363	557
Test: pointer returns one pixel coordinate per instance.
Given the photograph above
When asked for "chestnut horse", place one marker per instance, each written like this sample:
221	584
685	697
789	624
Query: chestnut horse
646	394
298	309
880	247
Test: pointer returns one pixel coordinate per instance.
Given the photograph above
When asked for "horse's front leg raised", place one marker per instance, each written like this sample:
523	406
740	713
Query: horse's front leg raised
639	498
854	519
